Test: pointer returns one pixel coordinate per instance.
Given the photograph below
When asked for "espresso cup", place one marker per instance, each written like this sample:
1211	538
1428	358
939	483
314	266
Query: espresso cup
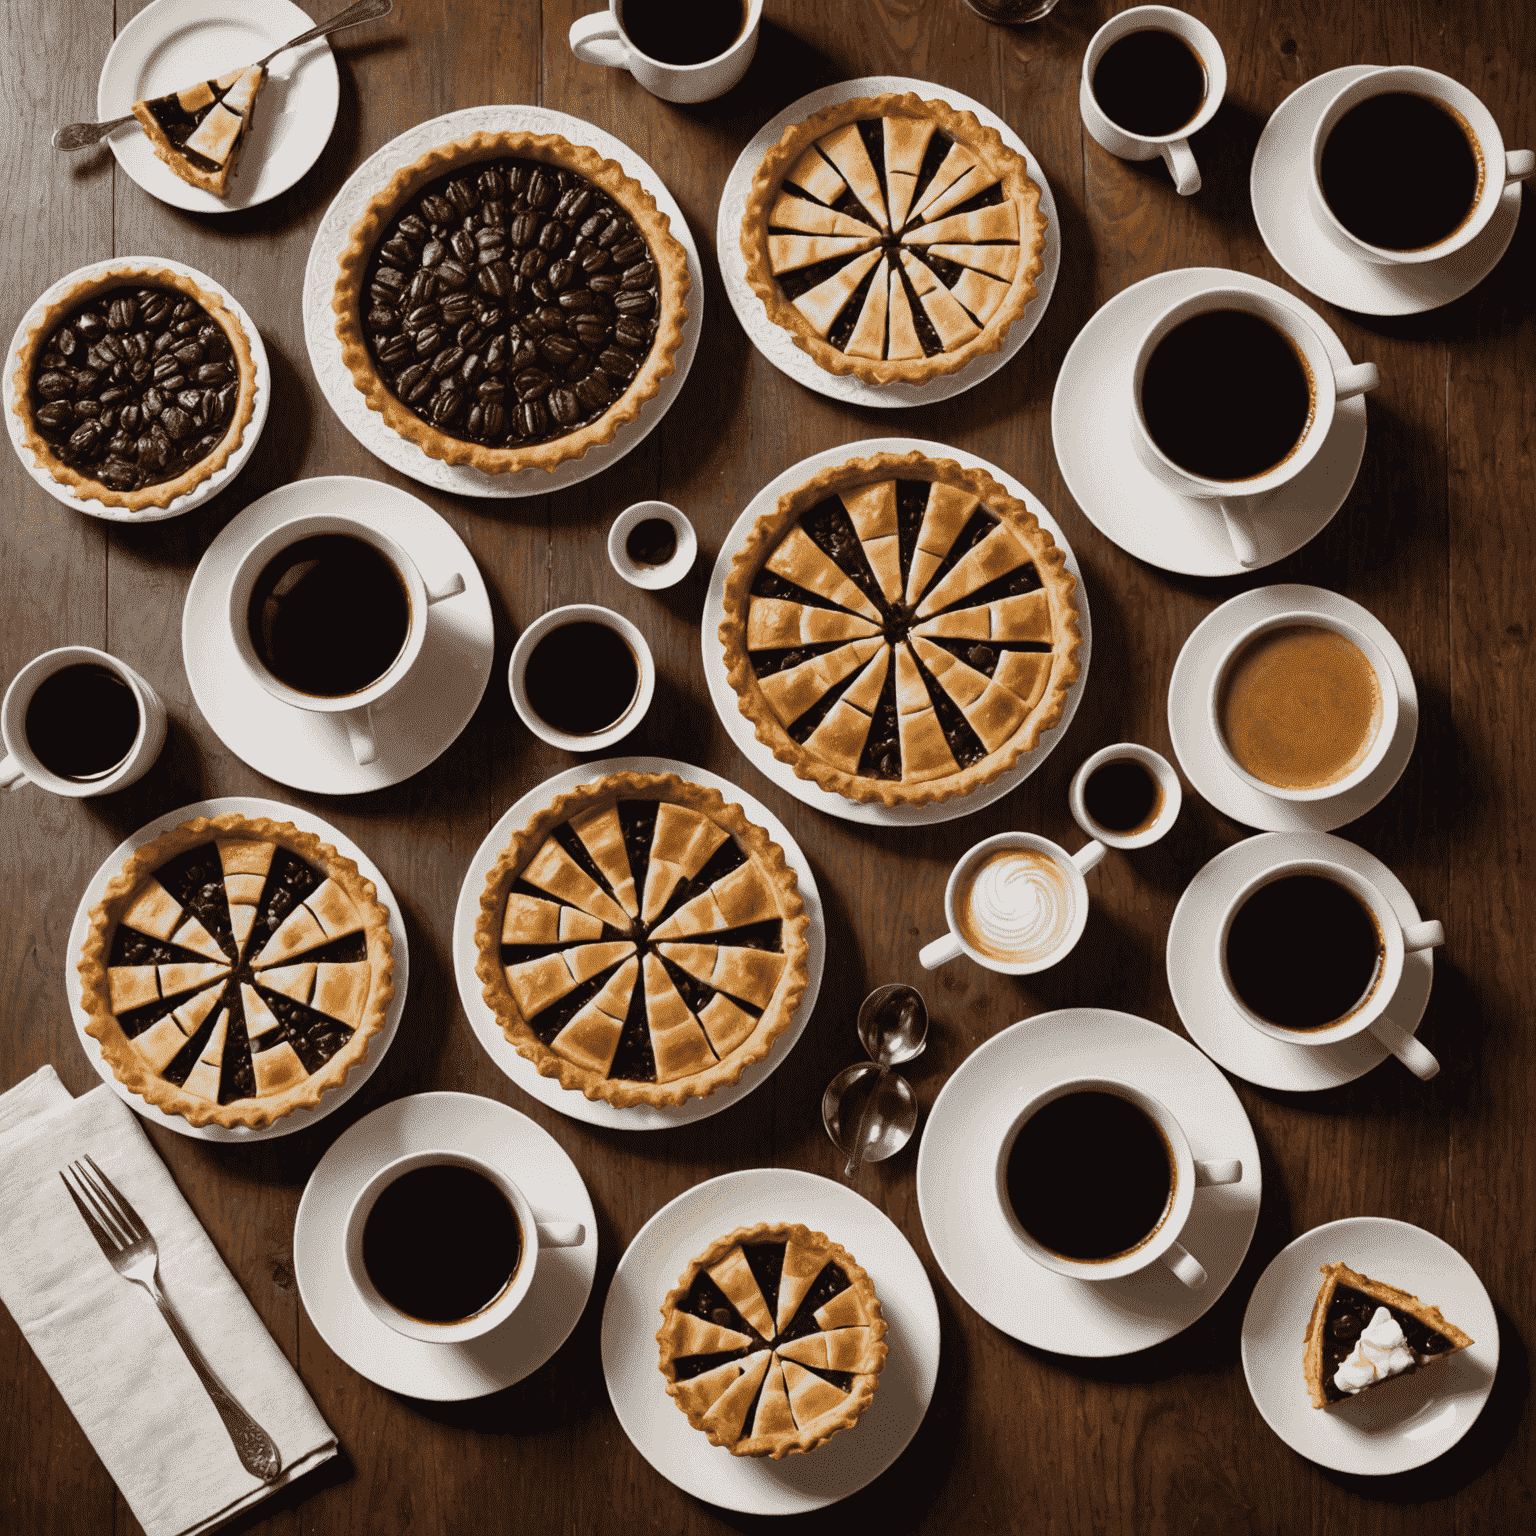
602	39
667	573
1167	796
1160	1244
21	764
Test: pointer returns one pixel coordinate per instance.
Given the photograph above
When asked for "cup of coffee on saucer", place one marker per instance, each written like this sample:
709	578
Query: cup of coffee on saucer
679	50
1095	1180
1125	796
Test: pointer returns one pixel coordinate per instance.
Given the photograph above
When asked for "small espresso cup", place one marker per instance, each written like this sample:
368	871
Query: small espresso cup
1173	147
1161	1244
1329	384
21	765
652	578
355	710
600	38
1016	903
535	1233
1167	797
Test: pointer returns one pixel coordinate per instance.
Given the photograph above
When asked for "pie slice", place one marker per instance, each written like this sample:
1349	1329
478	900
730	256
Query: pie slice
815	218
199	131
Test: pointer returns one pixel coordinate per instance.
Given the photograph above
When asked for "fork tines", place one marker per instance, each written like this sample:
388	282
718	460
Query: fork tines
113	1221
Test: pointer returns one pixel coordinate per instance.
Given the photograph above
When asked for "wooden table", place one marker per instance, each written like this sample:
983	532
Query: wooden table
1436	540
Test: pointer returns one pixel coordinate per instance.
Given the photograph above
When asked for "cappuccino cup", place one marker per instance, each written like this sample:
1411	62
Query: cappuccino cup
675	57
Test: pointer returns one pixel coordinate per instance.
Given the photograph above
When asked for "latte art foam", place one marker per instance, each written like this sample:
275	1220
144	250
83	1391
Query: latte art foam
1017	906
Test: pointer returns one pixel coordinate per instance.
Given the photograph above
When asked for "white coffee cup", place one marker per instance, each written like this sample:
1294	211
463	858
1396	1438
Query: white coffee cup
21	765
535	1233
354	709
1170	796
601	39
1238	499
1159	1245
652	578
1370	1013
1499	166
1173	147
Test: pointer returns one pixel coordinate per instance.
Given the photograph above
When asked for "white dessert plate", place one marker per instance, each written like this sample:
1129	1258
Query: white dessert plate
652	1265
1194	742
306	821
526	1153
320	321
1282	208
1091	428
417	723
175	43
740	728
1400	1424
773	341
956	1193
547	1090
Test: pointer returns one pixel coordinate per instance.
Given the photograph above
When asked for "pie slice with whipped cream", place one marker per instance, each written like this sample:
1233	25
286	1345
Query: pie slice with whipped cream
200	130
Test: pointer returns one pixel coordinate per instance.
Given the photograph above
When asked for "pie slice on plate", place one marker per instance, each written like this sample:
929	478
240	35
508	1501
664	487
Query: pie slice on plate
200	130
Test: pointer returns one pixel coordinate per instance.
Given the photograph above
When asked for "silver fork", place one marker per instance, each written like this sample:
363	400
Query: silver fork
131	1251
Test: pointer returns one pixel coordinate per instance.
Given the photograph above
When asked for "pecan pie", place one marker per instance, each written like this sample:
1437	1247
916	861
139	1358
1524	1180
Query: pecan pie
773	1340
510	300
900	629
235	969
642	941
199	131
893	238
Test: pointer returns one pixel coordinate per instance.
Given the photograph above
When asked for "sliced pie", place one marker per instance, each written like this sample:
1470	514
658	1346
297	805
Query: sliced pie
199	131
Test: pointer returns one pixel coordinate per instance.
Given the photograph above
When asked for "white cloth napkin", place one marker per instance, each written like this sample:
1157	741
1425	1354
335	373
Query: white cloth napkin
102	1339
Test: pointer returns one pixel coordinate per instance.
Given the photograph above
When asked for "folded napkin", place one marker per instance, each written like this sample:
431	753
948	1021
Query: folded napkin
102	1339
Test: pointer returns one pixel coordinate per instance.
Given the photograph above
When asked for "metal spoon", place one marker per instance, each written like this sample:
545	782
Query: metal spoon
82	135
893	1026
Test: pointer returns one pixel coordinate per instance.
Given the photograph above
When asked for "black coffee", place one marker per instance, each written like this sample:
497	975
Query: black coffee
1226	395
442	1243
1090	1176
683	31
82	722
652	541
1303	952
329	615
1122	796
1150	82
581	678
1400	171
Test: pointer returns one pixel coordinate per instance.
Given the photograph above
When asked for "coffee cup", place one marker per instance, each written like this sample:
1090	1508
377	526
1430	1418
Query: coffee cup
78	722
677	61
1125	796
1016	903
1106	1169
1201	102
1307	403
637	544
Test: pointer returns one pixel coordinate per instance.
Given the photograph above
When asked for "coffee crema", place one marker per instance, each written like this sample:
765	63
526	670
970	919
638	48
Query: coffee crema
82	722
1150	82
582	678
1123	796
1017	906
683	31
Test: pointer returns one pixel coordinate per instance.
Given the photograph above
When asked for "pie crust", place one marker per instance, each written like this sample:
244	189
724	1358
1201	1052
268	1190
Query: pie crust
349	301
222	112
341	906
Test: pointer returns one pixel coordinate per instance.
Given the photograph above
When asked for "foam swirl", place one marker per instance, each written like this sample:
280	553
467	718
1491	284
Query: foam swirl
1017	906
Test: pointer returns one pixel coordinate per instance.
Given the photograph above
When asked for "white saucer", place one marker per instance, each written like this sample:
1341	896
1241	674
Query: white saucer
740	729
773	341
1091	428
424	715
1189	721
1208	1013
456	1122
206	489
1278	185
300	1119
320	323
547	1090
174	43
660	1430
972	1243
1399	1425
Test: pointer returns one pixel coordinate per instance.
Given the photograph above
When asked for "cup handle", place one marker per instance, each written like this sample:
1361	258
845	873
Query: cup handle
449	588
1234	513
1355	380
940	952
1518	164
1417	1058
1186	1266
595	39
1418	936
12	774
1228	1171
1088	856
360	732
1182	167
561	1234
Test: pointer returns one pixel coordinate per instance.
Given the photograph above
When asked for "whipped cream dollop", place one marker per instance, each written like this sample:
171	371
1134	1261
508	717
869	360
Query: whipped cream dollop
1380	1352
1016	906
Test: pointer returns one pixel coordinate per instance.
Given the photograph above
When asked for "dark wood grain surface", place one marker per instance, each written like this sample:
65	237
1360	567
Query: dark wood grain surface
1435	539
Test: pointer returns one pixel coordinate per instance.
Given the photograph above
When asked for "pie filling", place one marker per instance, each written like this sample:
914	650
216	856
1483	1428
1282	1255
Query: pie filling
1349	1314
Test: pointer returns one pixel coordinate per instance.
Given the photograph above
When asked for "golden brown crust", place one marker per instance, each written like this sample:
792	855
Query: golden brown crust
671	265
163	494
216	182
130	1069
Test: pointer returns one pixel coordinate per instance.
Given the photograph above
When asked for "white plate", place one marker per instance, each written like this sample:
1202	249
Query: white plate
1194	743
660	1430
1402	1424
1278	183
956	1167
206	489
333	1099
1209	1014
175	43
773	340
320	323
526	1153
547	1090
418	722
740	729
1091	428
